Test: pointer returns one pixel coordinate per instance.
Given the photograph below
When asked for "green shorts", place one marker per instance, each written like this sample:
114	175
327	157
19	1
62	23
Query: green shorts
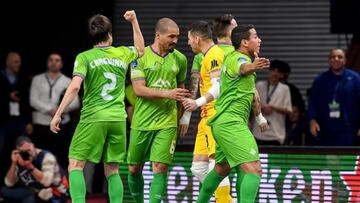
235	144
153	145
96	140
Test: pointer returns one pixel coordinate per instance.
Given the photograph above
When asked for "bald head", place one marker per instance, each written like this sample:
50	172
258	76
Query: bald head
164	24
13	62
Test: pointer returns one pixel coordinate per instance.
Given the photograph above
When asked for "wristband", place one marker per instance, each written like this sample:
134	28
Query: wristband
201	101
260	119
185	118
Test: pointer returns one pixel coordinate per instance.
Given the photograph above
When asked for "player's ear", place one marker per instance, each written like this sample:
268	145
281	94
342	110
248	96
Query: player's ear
244	42
197	38
157	35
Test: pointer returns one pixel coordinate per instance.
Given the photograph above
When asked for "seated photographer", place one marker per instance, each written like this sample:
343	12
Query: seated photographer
34	176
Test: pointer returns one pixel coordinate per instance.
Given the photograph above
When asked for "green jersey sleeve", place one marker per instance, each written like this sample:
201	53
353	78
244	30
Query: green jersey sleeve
137	70
196	65
130	52
182	69
234	69
80	67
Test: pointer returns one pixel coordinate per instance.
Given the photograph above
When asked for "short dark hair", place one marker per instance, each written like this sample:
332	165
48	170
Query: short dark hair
22	140
99	28
202	29
221	25
239	33
282	66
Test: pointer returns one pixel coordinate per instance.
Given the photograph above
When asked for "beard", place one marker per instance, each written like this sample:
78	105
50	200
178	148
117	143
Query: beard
171	47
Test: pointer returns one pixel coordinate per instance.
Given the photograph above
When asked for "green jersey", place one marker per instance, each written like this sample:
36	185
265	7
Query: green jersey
236	92
159	72
196	65
103	70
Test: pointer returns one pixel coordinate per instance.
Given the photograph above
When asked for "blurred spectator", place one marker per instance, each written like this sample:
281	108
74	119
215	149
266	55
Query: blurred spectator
46	93
34	176
15	113
296	97
295	123
334	104
275	105
295	134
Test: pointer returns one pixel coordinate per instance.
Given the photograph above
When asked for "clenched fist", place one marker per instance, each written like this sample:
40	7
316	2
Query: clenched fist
130	16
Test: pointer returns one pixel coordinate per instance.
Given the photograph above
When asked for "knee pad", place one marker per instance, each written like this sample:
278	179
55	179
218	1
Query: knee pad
200	169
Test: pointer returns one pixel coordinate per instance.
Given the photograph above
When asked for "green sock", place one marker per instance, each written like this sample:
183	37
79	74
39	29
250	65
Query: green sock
158	187
240	176
136	187
249	188
115	188
77	186
209	186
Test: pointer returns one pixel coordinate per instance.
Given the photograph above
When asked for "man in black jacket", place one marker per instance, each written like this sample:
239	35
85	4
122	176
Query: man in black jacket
15	117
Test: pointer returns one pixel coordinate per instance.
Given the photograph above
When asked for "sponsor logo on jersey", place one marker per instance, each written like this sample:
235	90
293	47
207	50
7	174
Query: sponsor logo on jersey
174	68
160	83
214	63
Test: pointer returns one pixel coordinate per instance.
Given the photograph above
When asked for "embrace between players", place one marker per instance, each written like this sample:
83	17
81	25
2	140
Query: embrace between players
226	74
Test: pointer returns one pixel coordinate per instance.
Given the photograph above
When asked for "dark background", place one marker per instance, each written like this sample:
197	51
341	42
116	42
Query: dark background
36	28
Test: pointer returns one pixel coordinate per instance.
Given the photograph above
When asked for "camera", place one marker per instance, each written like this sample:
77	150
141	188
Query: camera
25	155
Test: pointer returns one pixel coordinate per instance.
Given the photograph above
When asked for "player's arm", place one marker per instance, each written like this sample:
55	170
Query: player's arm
137	35
141	90
259	118
194	87
211	94
258	64
70	94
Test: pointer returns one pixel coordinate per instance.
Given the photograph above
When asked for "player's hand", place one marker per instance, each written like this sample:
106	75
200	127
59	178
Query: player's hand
358	133
314	127
178	94
189	104
130	16
263	126
183	128
14	156
54	124
260	63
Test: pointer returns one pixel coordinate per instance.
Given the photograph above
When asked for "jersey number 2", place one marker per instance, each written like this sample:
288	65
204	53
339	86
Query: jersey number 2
109	86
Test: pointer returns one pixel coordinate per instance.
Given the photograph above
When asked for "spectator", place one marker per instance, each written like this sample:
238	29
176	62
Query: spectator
296	97
334	104
275	104
295	124
15	118
34	175
296	130
45	95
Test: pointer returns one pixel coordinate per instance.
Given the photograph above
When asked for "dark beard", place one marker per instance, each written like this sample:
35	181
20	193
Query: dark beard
171	50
